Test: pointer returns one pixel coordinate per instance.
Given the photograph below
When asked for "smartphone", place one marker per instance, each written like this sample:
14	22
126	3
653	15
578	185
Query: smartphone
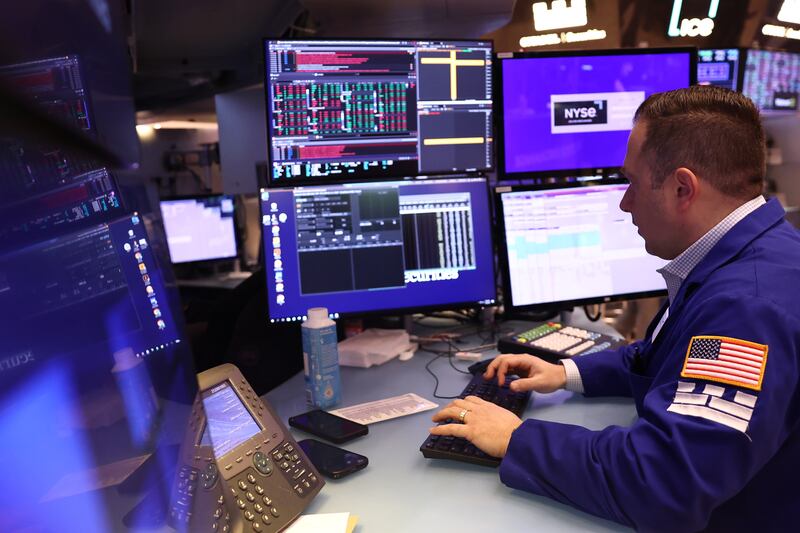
330	460
327	426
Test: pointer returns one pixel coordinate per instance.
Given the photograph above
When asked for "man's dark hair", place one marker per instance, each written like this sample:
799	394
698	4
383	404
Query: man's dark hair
714	132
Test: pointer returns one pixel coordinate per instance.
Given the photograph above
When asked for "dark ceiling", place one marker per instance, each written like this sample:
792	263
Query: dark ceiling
185	51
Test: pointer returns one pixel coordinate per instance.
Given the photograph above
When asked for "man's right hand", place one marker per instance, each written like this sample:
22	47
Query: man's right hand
534	373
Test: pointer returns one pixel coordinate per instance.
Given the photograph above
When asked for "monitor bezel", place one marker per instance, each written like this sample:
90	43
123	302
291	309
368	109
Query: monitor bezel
389	311
499	107
327	180
762	111
502	254
739	68
202	262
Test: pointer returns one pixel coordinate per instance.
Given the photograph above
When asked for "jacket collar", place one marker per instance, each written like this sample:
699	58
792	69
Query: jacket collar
741	235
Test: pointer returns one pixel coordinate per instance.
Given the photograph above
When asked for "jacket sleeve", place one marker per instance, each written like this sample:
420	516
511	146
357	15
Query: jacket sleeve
606	373
670	470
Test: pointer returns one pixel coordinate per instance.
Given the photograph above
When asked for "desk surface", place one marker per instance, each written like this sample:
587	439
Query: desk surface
401	491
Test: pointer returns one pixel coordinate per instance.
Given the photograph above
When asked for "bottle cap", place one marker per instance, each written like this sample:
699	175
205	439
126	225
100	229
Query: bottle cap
318	313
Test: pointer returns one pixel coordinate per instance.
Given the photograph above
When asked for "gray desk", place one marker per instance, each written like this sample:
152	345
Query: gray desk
401	491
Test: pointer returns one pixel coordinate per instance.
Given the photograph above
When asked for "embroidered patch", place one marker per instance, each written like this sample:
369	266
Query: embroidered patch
707	402
726	360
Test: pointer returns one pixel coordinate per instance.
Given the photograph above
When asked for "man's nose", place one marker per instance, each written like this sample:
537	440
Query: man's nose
624	204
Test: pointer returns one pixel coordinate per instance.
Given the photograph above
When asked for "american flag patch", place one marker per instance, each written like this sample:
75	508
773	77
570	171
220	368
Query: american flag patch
726	360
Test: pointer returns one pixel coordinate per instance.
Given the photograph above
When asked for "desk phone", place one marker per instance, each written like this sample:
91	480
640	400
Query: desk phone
240	469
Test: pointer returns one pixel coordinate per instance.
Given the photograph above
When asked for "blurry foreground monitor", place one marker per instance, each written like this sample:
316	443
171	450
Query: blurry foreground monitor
719	66
570	113
95	379
572	245
378	247
363	109
200	228
772	80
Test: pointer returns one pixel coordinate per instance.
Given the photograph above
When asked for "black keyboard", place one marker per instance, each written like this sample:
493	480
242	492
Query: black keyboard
458	449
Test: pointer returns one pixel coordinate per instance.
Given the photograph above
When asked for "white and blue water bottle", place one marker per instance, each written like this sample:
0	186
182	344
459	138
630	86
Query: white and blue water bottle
321	359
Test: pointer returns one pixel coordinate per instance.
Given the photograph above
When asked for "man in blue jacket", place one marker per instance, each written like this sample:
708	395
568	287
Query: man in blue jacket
716	445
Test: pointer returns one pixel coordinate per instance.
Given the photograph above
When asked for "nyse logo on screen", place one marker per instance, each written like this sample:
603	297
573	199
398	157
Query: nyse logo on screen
586	112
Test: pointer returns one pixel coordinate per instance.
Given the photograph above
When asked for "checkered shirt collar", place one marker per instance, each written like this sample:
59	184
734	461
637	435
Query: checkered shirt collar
677	270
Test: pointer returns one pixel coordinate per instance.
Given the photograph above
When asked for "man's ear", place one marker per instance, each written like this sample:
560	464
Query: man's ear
686	186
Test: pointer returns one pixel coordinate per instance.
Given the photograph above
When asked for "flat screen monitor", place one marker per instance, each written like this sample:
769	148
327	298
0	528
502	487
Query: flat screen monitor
200	228
772	79
719	66
378	247
99	284
572	245
354	110
570	113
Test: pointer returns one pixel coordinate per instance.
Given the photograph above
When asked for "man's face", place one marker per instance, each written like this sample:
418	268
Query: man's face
646	205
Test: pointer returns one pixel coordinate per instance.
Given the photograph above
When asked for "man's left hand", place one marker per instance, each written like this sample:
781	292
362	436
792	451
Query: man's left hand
486	425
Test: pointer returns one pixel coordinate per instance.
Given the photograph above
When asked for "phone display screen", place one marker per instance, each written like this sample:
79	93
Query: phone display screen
229	423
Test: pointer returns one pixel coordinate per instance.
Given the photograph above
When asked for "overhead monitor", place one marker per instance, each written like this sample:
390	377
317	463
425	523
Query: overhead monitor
572	245
200	228
570	113
719	66
772	80
378	247
349	110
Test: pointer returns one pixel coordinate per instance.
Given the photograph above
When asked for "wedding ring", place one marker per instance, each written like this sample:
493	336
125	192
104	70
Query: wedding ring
462	415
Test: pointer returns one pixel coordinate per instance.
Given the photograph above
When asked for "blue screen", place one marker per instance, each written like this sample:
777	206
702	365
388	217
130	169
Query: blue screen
718	67
367	247
98	285
570	113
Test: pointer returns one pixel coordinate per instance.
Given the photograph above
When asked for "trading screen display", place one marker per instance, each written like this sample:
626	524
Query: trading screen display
570	112
719	67
378	246
200	229
97	285
56	86
228	422
349	110
772	80
573	244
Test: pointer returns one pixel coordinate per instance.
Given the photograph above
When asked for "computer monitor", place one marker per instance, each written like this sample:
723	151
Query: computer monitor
378	247
570	113
772	80
719	66
200	228
571	244
85	200
349	110
99	285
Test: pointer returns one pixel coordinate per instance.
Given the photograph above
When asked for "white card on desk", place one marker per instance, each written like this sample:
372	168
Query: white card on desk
321	523
386	409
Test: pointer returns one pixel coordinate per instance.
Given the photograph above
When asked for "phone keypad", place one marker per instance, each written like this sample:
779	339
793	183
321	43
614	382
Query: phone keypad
186	487
258	509
294	468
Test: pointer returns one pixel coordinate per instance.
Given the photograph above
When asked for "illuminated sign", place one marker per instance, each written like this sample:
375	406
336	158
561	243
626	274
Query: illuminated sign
692	27
790	12
773	30
559	15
